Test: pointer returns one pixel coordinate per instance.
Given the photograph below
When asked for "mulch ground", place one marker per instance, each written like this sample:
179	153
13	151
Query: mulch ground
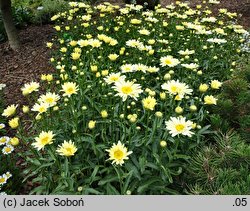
17	68
27	64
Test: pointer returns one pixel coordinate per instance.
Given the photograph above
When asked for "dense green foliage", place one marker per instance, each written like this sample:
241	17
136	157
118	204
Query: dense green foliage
221	167
26	12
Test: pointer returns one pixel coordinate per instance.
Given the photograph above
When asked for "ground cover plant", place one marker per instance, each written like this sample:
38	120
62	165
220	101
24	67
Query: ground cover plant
7	157
131	98
221	167
27	12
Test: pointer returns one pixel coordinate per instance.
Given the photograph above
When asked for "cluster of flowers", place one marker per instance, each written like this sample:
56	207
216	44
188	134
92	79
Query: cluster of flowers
7	147
7	143
124	83
3	180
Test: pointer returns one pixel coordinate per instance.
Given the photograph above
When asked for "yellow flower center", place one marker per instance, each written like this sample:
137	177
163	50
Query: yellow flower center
45	140
114	78
2	180
118	154
42	109
127	68
127	89
70	90
174	88
179	127
168	61
69	150
7	149
209	100
2	140
50	100
30	89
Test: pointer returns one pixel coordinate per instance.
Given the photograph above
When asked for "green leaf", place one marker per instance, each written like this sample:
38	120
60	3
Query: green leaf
92	177
127	181
38	190
107	180
111	190
177	172
167	173
34	161
204	130
135	171
146	185
152	165
185	157
142	162
91	191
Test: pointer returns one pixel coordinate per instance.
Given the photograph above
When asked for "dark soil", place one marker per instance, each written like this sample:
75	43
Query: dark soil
32	59
27	64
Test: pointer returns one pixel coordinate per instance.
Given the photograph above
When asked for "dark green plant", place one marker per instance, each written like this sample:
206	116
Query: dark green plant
22	16
33	12
2	30
47	9
234	101
8	162
221	167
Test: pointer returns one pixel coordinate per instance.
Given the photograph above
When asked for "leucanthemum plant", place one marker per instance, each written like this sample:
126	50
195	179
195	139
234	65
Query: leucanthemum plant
129	99
7	146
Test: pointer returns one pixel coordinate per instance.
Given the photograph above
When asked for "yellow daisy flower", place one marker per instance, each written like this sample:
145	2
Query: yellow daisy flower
49	98
215	84
7	149
149	103
118	153
69	88
178	126
67	149
210	100
14	123
43	139
9	111
114	77
169	61
40	108
4	140
127	89
29	88
3	179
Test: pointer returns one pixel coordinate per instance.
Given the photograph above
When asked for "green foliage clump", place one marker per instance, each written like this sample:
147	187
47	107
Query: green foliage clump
8	161
234	102
48	8
32	12
222	167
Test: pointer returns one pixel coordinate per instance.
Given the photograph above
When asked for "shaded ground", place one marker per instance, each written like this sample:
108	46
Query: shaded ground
27	64
31	61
